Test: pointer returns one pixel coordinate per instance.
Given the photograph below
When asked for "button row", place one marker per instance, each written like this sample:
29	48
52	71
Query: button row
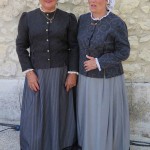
47	39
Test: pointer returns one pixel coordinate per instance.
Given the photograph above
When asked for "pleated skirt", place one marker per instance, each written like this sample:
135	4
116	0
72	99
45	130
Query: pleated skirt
102	114
47	116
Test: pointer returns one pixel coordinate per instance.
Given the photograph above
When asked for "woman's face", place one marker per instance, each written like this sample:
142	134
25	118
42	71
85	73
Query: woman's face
48	4
97	6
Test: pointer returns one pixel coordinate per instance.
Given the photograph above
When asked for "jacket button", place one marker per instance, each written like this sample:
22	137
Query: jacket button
48	59
46	29
48	50
47	22
47	40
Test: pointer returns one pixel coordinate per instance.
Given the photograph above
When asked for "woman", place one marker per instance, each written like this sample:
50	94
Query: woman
51	65
102	106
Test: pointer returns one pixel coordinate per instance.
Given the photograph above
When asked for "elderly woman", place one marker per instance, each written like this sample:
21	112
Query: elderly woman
102	106
51	64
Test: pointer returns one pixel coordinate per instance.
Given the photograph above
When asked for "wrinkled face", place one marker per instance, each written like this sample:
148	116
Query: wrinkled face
48	4
97	5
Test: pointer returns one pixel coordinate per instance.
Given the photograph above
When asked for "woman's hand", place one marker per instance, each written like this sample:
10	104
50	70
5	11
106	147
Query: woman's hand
32	81
71	81
90	64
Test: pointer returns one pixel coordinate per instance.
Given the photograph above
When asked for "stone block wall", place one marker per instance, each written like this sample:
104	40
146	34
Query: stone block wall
136	14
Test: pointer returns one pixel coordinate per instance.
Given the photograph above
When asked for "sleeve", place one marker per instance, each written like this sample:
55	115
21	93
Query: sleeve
73	44
122	47
22	43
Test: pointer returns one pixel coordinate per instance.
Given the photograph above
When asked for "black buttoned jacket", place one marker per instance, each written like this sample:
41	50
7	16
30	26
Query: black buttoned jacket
50	44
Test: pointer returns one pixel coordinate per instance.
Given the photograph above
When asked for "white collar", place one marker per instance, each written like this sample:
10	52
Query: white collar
96	19
46	12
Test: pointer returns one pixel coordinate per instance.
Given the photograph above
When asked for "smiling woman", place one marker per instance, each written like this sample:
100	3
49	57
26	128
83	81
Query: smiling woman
47	115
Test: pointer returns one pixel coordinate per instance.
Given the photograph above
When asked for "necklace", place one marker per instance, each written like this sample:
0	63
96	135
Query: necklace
52	18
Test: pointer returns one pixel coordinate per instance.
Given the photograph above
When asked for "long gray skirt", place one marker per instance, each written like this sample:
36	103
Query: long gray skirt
102	114
47	117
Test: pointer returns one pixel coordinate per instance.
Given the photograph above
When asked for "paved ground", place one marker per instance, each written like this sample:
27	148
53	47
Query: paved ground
139	138
9	140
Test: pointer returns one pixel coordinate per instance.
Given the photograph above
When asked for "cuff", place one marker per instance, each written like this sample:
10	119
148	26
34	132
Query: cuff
25	72
73	72
98	65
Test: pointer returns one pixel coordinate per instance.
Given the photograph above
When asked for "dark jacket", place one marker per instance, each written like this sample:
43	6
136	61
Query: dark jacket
50	44
107	41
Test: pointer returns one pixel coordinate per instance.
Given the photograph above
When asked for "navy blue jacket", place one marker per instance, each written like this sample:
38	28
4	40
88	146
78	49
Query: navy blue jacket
107	41
50	44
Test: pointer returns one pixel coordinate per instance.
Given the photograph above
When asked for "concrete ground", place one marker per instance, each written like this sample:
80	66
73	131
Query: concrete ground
139	138
9	140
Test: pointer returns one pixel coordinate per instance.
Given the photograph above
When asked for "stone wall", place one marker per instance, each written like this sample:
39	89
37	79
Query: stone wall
135	13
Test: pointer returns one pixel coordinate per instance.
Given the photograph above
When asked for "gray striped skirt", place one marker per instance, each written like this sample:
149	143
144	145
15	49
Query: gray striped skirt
102	114
47	116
